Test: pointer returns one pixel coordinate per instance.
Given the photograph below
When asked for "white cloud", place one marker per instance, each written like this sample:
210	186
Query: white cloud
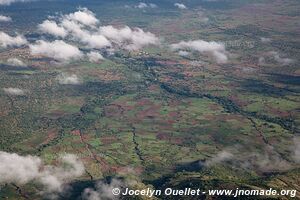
217	50
142	5
77	31
96	41
180	5
277	57
103	190
66	79
94	56
152	5
219	158
10	41
265	40
266	161
50	27
130	39
83	16
8	2
58	50
18	169
15	62
183	53
5	18
261	60
80	29
24	169
14	91
73	27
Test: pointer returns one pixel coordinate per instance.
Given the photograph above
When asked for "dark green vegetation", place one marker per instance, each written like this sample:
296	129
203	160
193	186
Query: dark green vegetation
161	115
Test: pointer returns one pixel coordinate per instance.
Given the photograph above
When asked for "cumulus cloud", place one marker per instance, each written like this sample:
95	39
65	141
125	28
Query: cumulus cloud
103	190
79	33
66	79
14	91
83	16
8	2
278	58
180	6
152	5
183	53
18	169
94	56
219	158
72	27
77	25
142	5
215	49
261	60
5	18
15	62
265	40
266	161
81	27
24	169
50	27
130	39
96	41
57	49
10	41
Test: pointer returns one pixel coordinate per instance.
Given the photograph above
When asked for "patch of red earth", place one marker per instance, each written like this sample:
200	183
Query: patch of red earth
113	110
2	114
239	118
51	135
151	112
123	105
155	159
214	107
169	138
108	139
167	127
189	74
143	102
184	62
209	117
174	103
194	122
278	112
173	114
171	121
86	159
126	170
238	101
166	79
75	132
86	137
104	164
154	88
